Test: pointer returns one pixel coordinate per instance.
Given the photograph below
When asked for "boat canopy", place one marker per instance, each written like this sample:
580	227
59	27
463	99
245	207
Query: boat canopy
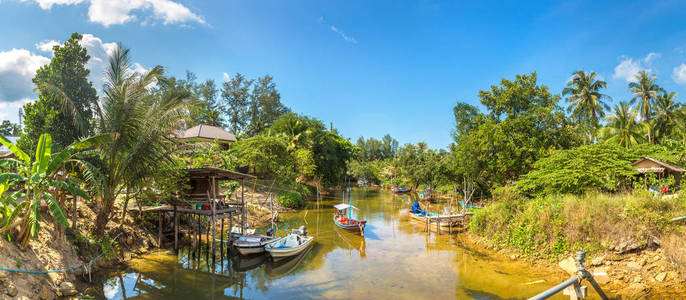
343	206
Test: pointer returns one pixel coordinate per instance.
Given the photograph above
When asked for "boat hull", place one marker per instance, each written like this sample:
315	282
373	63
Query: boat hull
278	253
246	248
443	221
352	227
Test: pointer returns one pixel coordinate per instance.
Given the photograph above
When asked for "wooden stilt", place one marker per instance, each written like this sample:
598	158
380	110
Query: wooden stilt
176	230
213	217
242	205
159	229
221	242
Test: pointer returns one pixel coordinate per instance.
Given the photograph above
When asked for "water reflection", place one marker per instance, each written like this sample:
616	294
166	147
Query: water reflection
395	258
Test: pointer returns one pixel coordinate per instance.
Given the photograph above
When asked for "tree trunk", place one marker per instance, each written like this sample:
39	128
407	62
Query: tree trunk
126	205
103	217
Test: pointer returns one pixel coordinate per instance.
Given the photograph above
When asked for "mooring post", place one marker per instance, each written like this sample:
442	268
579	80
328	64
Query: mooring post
221	242
176	229
159	228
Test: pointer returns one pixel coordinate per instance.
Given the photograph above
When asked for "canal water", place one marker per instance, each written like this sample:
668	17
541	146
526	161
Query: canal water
396	259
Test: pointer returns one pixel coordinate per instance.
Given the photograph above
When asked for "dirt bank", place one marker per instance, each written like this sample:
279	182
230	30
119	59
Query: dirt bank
57	248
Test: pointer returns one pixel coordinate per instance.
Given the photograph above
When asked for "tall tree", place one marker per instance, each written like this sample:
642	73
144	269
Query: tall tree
210	108
622	127
666	113
645	90
265	105
143	124
585	99
235	95
464	114
65	99
8	128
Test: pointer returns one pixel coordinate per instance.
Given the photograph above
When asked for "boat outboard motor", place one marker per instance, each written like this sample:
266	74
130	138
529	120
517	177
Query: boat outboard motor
301	231
270	232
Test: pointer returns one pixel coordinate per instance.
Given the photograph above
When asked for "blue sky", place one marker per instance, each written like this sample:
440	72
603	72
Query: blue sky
370	67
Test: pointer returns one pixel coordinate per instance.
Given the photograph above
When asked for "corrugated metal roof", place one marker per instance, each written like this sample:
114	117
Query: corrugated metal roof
664	164
208	132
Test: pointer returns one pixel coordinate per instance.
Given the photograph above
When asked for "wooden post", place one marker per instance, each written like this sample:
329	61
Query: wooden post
159	225
213	217
221	243
242	205
176	229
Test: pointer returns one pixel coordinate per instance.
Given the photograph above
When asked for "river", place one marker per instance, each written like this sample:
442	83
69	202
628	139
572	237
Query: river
396	259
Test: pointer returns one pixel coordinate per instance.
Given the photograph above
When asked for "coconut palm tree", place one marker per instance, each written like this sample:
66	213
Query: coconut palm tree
585	99
666	113
143	124
645	91
622	127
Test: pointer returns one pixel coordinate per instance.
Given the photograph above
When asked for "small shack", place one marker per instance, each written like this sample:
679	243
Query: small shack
203	199
660	168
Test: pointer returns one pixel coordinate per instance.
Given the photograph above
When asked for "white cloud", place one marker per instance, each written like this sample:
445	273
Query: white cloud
46	46
116	12
652	56
629	67
343	35
679	74
17	68
226	76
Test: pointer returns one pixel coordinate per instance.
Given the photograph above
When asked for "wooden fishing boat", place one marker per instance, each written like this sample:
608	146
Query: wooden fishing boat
444	221
343	218
399	190
362	182
251	243
292	244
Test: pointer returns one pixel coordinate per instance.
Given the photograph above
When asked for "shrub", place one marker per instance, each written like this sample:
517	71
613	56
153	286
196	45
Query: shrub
290	200
551	226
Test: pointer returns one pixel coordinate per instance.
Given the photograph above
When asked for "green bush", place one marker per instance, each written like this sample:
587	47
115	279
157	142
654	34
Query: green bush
290	200
553	226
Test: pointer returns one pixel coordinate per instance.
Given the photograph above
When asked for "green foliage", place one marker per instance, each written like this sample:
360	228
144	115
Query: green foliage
143	122
265	154
32	179
522	124
290	200
8	128
552	226
65	99
574	171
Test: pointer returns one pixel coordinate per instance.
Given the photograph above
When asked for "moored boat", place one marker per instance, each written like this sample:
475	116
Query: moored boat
399	189
251	244
292	244
343	218
444	221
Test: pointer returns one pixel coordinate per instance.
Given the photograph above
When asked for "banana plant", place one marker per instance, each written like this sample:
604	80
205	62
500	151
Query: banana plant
33	177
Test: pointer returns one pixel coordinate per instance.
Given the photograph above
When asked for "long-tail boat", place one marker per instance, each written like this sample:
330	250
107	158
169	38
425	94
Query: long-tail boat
444	221
343	218
399	189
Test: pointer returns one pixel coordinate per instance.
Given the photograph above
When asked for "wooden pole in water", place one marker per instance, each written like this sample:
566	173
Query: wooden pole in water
159	229
242	205
214	218
176	229
221	242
